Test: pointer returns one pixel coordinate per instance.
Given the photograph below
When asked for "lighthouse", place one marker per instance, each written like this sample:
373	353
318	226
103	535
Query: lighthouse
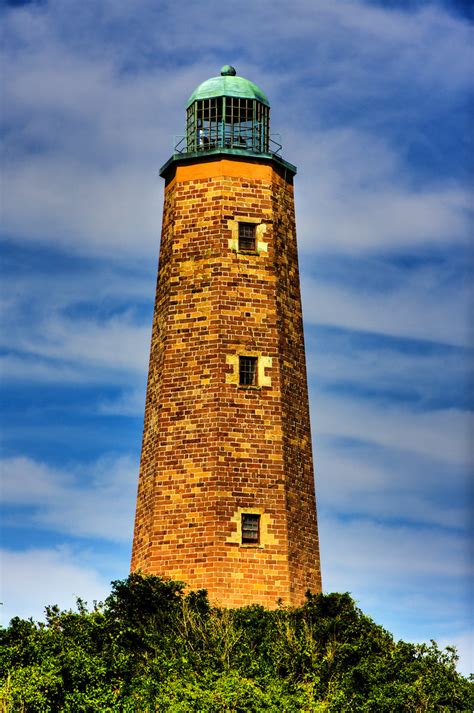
226	497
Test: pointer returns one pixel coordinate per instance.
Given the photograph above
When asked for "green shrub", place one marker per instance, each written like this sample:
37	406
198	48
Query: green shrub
153	647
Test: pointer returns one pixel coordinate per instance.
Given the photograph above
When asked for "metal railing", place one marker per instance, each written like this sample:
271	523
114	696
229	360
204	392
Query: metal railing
181	146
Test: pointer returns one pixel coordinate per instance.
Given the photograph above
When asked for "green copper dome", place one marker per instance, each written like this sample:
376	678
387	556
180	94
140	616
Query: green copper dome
228	85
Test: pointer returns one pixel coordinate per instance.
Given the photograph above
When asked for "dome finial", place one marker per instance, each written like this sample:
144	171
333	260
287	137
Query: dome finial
228	71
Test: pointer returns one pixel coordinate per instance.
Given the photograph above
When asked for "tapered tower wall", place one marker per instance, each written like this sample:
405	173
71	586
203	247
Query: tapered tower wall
213	449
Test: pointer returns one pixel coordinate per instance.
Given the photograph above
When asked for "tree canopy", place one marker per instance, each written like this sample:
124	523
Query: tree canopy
153	646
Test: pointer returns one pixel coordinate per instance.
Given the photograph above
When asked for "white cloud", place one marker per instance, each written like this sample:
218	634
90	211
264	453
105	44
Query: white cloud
92	282
385	368
38	577
82	209
30	369
87	501
390	488
424	37
128	403
85	323
409	579
24	479
361	554
85	145
115	344
464	644
355	193
93	136
441	434
414	308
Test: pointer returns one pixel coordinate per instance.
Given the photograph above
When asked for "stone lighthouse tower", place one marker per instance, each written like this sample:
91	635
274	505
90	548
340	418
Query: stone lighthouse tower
226	491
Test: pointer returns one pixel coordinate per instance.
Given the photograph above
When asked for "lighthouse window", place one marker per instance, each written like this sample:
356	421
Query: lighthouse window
248	371
247	237
250	529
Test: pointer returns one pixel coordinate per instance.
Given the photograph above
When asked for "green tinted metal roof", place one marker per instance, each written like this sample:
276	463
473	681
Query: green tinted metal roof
228	85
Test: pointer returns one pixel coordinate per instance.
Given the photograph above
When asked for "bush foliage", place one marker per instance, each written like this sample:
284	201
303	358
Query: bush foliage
153	647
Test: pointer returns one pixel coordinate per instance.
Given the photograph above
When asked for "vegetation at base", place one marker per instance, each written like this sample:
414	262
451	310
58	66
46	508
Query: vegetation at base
153	647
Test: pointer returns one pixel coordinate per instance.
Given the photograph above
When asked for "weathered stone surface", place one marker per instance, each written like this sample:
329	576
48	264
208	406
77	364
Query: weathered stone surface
213	449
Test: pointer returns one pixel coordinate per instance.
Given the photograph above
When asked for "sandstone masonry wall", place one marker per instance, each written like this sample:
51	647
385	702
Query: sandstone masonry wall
212	449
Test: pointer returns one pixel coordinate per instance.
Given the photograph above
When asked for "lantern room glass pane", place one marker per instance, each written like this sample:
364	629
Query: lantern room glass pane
227	122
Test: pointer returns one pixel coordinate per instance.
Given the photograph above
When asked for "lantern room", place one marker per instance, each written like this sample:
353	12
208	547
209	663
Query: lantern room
228	112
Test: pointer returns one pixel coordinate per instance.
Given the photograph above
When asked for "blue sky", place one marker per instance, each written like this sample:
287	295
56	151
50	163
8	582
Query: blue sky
371	99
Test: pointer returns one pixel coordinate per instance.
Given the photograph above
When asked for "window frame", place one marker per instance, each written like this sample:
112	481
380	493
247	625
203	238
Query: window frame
251	518
242	226
254	371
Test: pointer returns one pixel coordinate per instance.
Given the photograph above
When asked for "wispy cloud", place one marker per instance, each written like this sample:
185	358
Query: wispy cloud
128	403
38	577
410	580
386	485
419	305
426	375
88	322
94	500
464	644
358	194
93	129
76	348
441	434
